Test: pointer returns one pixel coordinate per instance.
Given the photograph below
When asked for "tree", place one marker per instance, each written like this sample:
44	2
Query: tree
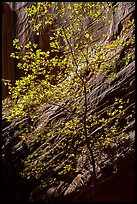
82	59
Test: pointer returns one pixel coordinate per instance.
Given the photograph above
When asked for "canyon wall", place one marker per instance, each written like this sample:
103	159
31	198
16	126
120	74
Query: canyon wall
116	178
9	18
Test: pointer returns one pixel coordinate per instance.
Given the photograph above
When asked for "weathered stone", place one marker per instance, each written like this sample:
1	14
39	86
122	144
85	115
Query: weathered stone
76	184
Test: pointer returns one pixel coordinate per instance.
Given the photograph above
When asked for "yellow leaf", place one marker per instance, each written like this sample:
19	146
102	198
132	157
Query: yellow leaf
91	38
87	35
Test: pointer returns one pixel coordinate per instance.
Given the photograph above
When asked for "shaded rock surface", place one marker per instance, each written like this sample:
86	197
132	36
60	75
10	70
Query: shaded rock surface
115	177
8	34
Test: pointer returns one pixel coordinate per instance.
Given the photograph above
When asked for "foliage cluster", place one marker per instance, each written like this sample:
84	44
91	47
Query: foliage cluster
62	142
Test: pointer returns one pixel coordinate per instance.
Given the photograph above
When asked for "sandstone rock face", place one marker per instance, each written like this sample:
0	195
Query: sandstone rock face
115	177
8	34
10	31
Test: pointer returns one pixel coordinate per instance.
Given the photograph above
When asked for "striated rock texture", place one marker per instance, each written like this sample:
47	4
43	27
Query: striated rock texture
115	165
